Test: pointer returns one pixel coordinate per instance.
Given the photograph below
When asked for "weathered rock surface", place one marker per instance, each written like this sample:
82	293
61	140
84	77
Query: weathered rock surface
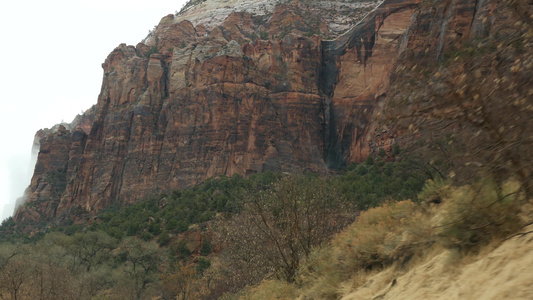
337	15
236	95
60	149
463	83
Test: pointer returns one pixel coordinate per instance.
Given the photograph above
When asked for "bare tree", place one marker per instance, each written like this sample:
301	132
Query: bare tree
15	275
182	282
141	263
91	249
278	228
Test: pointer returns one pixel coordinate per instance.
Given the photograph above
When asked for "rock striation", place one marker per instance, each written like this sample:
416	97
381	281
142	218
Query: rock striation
217	90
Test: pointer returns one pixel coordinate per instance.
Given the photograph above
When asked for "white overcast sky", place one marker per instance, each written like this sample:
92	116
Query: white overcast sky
50	68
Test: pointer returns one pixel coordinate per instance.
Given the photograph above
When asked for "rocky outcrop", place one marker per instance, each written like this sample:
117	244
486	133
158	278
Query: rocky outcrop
199	114
462	87
60	149
248	93
356	71
329	17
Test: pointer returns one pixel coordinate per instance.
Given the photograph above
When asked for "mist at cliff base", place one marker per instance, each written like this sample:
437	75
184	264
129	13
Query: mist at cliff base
52	53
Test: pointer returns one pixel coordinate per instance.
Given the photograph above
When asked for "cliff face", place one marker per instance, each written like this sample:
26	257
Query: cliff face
355	76
60	150
465	75
254	91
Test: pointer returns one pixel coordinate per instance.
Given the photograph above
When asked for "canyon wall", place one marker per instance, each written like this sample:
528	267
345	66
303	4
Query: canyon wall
252	93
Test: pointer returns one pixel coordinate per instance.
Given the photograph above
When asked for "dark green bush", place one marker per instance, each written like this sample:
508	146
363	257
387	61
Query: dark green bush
163	239
202	265
206	247
370	183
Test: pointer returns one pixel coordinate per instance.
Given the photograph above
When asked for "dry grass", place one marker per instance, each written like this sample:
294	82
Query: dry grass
270	290
388	242
394	232
476	214
382	235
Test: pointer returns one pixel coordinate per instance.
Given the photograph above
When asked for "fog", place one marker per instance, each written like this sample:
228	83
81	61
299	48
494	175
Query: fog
52	53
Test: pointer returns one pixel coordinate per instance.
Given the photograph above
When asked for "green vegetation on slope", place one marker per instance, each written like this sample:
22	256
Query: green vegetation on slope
173	214
174	245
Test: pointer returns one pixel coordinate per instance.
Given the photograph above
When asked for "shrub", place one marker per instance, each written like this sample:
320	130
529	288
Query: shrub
182	250
320	277
396	149
475	214
434	191
163	239
382	235
272	289
154	228
206	247
202	265
382	152
151	51
146	236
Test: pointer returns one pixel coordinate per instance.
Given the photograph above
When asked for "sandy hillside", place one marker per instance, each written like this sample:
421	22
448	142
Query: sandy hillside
506	272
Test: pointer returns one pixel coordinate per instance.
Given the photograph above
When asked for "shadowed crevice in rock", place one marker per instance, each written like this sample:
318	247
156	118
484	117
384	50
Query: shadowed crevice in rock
341	126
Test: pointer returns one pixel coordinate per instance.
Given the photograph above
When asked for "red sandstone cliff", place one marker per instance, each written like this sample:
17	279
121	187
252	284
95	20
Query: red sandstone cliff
251	94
